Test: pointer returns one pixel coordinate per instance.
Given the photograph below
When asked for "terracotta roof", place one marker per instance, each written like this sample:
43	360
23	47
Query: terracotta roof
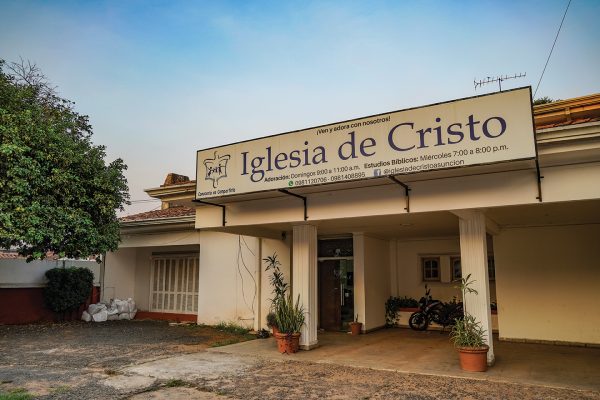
13	255
160	214
9	255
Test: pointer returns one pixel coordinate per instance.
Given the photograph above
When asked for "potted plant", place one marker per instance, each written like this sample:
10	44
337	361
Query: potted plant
280	287
272	322
290	319
468	336
355	326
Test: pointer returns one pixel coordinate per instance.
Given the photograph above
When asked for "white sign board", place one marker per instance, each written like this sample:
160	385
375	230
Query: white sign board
478	130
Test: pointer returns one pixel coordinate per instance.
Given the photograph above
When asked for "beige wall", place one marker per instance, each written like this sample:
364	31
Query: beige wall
119	279
548	282
377	281
18	273
228	280
268	247
409	274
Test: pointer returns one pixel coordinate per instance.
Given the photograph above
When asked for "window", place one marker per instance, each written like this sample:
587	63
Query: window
456	269
431	268
174	284
491	268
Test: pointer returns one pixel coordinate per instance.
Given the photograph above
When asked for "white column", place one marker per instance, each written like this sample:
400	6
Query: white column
304	280
473	260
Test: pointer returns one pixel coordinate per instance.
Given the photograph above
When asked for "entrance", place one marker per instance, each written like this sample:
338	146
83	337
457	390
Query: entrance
336	284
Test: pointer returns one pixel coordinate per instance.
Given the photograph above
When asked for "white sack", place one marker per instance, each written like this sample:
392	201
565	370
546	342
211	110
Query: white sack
124	315
96	308
122	305
86	316
113	317
131	305
100	316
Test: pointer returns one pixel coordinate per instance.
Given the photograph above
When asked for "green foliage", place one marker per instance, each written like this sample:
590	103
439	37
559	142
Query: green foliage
231	327
67	288
393	306
289	315
57	194
276	279
271	320
16	394
544	100
175	383
467	332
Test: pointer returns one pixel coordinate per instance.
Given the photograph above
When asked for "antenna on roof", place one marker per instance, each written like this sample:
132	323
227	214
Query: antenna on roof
498	79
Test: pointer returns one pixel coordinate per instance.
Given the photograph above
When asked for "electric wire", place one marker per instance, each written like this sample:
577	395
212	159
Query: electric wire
240	257
552	49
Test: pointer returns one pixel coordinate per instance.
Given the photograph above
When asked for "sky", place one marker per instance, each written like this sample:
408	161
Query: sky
163	79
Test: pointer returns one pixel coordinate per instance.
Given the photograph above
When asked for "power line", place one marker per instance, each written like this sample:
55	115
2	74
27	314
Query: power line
144	200
552	49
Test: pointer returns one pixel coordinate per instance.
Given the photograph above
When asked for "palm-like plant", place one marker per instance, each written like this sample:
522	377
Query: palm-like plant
467	332
289	315
276	280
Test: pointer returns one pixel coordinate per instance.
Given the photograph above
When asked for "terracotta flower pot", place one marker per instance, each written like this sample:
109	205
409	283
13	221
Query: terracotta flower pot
355	327
473	359
275	330
288	342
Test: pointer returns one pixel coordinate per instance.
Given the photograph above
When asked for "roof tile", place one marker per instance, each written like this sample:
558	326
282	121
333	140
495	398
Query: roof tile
160	214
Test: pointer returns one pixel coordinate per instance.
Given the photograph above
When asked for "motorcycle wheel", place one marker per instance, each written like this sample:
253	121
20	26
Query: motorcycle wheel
418	321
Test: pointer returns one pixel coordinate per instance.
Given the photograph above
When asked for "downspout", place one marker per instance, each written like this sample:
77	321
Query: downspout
102	275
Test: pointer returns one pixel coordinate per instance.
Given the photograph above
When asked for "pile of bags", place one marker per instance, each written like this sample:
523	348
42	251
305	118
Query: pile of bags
116	309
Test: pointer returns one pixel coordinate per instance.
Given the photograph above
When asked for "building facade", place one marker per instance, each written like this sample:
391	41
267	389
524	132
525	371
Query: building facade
526	231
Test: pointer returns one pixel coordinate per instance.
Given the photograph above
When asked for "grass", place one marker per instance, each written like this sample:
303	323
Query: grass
175	383
16	394
231	327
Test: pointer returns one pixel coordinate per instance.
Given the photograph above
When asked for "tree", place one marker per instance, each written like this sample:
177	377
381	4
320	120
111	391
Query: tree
57	194
543	100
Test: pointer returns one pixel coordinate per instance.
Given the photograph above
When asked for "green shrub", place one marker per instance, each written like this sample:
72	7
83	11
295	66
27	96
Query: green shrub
271	320
67	288
393	306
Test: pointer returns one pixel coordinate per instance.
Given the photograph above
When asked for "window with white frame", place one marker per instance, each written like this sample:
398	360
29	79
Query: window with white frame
431	268
457	270
174	284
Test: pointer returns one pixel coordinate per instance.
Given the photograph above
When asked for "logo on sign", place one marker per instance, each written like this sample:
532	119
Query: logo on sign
216	168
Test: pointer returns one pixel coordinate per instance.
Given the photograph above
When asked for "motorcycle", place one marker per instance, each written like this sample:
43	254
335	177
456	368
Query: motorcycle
430	310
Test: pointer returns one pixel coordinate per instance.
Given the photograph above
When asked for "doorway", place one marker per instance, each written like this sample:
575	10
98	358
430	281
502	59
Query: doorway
336	284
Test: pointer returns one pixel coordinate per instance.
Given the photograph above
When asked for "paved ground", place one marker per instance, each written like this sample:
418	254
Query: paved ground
71	360
150	360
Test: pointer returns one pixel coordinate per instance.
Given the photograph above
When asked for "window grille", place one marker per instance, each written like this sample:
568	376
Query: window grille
174	284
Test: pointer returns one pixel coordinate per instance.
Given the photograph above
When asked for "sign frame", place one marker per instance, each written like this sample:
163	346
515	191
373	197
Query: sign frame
367	178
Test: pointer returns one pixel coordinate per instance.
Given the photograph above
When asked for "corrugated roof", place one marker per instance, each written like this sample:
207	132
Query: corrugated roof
573	121
160	214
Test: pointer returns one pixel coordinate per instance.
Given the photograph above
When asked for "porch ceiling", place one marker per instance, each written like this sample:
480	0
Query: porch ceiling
439	224
564	213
